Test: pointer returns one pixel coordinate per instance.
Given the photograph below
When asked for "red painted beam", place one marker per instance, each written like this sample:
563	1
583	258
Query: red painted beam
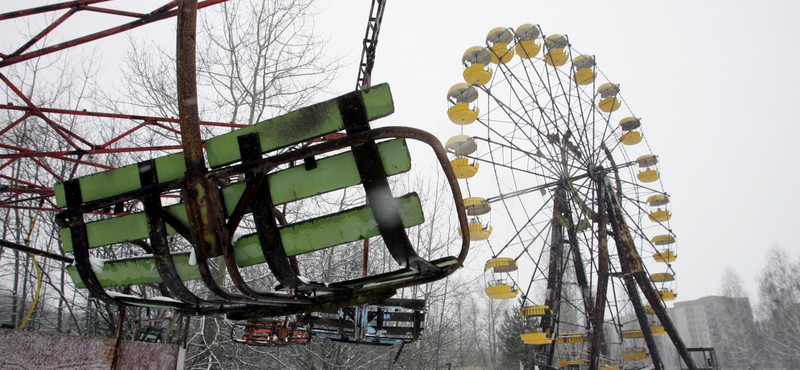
47	8
164	12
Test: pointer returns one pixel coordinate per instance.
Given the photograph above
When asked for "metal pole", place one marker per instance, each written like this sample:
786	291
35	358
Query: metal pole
597	339
633	270
201	196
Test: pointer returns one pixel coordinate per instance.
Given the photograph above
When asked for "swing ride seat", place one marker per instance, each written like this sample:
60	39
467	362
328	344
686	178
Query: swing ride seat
392	321
239	153
270	333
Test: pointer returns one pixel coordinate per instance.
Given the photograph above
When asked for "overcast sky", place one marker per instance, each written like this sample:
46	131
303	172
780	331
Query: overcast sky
714	83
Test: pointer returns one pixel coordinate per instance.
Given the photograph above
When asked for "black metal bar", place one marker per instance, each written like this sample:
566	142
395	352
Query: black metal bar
34	251
580	272
379	194
250	150
158	237
597	340
80	245
555	274
269	238
630	265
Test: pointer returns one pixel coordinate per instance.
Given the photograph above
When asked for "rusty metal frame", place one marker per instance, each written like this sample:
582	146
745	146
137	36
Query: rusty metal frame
370	43
285	329
166	11
21	194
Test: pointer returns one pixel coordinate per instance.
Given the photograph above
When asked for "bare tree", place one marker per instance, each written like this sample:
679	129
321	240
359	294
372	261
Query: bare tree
262	58
739	339
779	311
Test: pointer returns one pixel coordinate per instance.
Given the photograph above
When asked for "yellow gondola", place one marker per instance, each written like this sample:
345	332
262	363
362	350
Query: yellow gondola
647	168
657	200
647	176
658	330
499	284
631	135
461	145
629	123
463	169
635	354
637	333
526	46
477	231
660	215
584	69
499	38
476	206
460	96
584	76
663	239
667	295
662	277
666	256
476	60
540	310
608	95
502	291
571	338
556	56
537	337
631	138
632	333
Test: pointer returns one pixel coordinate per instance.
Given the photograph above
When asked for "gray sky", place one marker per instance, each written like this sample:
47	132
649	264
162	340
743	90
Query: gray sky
712	81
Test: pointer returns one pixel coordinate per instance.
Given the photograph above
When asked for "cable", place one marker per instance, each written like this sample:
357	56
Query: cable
38	273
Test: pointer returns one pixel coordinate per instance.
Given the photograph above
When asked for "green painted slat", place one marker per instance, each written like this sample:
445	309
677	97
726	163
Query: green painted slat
120	229
61	198
327	231
105	184
123	179
170	167
334	172
297	126
291	128
395	156
137	271
129	227
378	101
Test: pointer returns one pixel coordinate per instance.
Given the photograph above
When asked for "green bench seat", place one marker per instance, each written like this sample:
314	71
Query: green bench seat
301	237
332	173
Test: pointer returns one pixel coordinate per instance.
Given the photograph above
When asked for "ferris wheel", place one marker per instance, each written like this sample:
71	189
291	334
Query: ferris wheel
565	192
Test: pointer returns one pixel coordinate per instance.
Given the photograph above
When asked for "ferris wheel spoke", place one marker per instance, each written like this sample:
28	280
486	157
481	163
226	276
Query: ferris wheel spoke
528	223
518	119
